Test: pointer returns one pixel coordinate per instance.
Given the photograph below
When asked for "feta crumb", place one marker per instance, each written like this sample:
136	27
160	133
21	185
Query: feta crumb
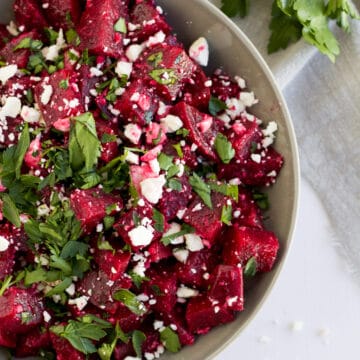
158	324
123	68
141	236
7	72
43	210
181	255
175	228
12	29
180	214
46	316
185	292
133	133
256	158
199	51
132	158
133	52
4	243
11	108
46	94
157	38
30	114
79	302
248	98
95	72
240	81
99	228
193	242
234	107
71	289
152	188
52	52
172	123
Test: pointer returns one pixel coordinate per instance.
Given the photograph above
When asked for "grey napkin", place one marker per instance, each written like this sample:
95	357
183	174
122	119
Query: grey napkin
324	101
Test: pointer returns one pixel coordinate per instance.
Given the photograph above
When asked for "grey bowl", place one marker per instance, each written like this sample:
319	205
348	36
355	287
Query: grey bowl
233	51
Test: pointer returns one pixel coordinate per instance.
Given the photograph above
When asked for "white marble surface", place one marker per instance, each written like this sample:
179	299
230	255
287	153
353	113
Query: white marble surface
314	291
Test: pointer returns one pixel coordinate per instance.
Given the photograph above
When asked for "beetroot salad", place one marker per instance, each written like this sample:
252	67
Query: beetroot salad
130	211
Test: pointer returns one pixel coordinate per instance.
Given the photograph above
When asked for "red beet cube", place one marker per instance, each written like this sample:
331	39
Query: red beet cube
167	68
198	266
109	148
56	101
140	173
64	350
174	200
202	127
138	104
202	315
99	18
158	251
147	20
242	243
113	264
206	221
128	321
19	57
92	205
226	287
223	86
62	13
28	13
20	310
30	343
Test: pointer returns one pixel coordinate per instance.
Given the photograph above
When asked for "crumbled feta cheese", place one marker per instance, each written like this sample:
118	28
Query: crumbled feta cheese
180	213
152	188
181	255
71	290
12	29
43	210
134	51
79	302
236	214
30	114
248	98
234	107
99	228
155	166
95	72
4	243
46	94
7	72
52	52
240	81
47	316
256	158
193	242
199	51
132	158
132	132
11	108
185	292
141	236
157	38
175	228
123	68
158	324
172	123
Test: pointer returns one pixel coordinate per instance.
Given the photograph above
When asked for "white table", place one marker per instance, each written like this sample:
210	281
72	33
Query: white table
313	313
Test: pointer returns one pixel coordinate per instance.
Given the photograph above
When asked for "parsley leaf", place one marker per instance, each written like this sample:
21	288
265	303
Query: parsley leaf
216	105
201	188
10	211
130	300
120	26
224	148
185	229
159	219
106	350
170	340
250	267
226	214
138	337
164	76
341	11
84	145
235	7
262	200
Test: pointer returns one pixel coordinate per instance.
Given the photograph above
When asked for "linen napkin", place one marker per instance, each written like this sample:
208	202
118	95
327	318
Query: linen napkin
324	102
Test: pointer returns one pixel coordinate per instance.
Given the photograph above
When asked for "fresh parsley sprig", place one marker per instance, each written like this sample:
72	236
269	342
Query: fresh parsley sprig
291	20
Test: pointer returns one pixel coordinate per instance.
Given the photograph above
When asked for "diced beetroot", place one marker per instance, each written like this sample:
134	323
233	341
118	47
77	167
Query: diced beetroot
62	13
241	243
86	82
206	221
199	263
100	289
128	321
149	21
223	86
246	210
202	315
92	205
177	318
64	350
226	287
28	13
189	156
20	310
19	57
123	350
33	155
29	344
167	68
151	343
140	173
109	148
161	287
158	251
56	101
7	257
113	263
5	36
202	127
99	18
252	173
138	104
173	201
197	93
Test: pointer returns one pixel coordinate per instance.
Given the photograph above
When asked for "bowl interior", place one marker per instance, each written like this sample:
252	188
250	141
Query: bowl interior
231	50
